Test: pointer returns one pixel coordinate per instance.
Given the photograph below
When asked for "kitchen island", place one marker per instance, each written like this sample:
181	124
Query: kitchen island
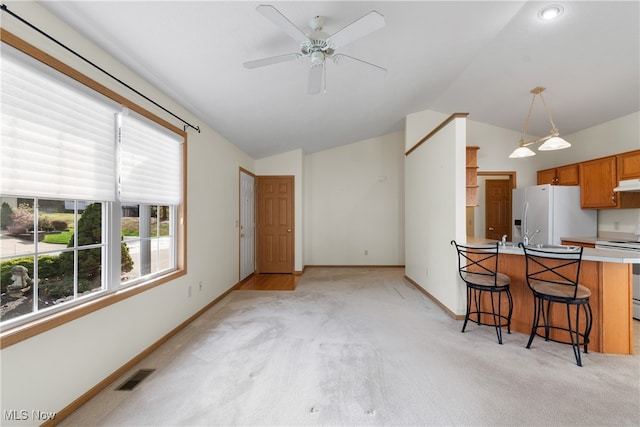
607	273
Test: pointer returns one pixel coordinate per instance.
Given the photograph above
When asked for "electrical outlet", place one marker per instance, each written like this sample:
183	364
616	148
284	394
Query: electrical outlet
200	286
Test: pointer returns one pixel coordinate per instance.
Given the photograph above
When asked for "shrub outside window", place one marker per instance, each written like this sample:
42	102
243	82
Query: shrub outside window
52	253
149	236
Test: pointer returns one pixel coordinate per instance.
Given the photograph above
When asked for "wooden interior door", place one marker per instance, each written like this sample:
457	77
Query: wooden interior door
275	224
498	208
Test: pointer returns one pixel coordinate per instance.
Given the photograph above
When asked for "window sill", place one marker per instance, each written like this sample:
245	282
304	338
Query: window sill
28	330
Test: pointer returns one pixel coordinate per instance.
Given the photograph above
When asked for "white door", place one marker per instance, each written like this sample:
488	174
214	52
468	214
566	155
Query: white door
247	225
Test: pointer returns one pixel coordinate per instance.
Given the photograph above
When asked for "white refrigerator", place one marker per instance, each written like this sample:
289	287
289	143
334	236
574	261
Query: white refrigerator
554	210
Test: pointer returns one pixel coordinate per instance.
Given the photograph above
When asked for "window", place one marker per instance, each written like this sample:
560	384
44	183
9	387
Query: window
90	192
51	254
149	190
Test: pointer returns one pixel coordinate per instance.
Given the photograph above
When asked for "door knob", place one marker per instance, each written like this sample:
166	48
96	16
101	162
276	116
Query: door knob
490	228
289	231
241	234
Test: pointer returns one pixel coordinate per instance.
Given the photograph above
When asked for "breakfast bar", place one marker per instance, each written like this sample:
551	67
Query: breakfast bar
607	273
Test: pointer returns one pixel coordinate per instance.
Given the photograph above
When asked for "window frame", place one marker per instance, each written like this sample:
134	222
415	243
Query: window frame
20	332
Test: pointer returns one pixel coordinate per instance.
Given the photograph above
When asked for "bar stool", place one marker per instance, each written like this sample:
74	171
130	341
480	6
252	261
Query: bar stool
478	268
552	276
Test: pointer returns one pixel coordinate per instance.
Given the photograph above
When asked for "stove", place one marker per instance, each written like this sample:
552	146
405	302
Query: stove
631	245
626	245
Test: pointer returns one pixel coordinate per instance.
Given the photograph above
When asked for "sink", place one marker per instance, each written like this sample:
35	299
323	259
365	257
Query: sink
541	246
558	247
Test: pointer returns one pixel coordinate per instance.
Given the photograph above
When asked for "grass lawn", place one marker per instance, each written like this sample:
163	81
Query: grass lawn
130	227
61	238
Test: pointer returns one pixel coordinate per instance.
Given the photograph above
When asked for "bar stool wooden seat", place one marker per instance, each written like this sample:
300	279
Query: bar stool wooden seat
478	268
552	276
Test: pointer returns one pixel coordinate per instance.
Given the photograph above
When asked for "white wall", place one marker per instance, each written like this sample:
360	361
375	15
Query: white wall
435	212
495	146
49	371
354	202
419	124
612	137
290	163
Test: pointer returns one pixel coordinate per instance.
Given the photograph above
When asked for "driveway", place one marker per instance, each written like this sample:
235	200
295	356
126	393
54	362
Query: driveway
12	246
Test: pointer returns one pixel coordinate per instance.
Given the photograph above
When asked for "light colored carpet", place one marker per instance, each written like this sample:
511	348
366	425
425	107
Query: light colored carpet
361	346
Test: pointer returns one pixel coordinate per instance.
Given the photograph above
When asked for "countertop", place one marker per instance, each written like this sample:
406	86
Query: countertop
589	254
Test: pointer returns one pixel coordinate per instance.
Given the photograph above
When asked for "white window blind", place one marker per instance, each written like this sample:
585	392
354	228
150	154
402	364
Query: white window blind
57	140
150	162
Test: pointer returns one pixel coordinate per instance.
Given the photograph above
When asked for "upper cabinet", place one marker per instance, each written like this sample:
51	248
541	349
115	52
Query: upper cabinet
472	176
599	177
563	175
629	165
547	176
597	181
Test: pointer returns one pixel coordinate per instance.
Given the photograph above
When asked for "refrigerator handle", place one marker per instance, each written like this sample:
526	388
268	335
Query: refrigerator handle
525	225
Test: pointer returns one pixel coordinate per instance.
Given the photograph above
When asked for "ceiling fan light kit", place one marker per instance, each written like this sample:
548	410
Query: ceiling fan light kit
550	142
318	45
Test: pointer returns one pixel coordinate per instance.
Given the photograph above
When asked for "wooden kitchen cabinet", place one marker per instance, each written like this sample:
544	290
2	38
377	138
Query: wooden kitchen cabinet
472	175
568	175
599	177
547	176
597	181
562	175
628	165
566	242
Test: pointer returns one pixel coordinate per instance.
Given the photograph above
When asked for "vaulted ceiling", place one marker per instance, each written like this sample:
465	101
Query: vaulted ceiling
449	56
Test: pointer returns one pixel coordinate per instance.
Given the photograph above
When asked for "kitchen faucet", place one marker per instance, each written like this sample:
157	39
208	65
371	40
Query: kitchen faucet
526	240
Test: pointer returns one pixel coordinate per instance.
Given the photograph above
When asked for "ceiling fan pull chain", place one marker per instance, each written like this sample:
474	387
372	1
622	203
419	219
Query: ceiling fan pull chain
324	77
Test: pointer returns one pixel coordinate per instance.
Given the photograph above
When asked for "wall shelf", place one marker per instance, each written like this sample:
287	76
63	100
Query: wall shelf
472	175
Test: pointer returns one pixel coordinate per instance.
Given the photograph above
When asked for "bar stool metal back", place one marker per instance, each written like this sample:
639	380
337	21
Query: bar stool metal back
552	276
478	268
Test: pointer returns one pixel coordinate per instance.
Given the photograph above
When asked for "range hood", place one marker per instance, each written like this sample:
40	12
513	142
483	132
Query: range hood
628	185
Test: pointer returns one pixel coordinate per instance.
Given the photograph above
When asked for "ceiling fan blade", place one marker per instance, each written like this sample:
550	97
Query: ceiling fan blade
338	58
316	73
359	28
274	15
271	60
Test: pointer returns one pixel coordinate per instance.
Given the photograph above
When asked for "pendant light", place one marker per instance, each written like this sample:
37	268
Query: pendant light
550	142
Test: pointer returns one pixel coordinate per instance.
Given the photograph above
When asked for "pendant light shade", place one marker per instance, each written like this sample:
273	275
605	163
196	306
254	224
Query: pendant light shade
550	142
521	152
554	143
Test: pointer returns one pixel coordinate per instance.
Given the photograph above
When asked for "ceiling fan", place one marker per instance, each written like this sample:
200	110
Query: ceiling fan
318	46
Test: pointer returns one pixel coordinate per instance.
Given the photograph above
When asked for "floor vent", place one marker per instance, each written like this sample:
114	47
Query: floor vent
135	379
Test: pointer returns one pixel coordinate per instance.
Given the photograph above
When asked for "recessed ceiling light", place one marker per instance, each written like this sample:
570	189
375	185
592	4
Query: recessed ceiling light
550	12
